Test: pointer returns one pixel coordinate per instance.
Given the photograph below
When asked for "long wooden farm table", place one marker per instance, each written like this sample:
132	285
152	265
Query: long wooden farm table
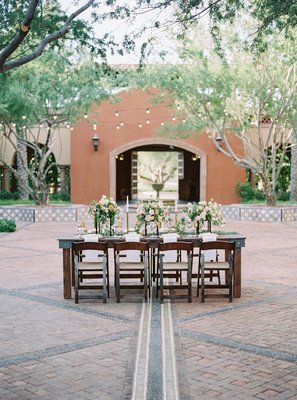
66	243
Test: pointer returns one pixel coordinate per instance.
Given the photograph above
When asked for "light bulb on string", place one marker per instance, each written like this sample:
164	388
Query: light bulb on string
173	119
68	126
71	128
140	125
86	115
55	116
116	113
122	123
147	121
24	117
41	125
162	123
118	127
95	127
147	110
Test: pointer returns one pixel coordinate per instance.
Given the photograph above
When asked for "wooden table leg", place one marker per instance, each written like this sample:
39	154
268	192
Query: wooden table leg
67	273
237	273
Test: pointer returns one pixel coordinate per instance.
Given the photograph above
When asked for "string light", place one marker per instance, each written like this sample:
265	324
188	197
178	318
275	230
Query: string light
147	110
94	127
147	121
122	123
173	118
71	128
68	126
116	113
118	127
140	125
55	116
162	123
41	125
86	115
24	117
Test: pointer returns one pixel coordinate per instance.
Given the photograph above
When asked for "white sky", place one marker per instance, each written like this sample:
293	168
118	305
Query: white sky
120	28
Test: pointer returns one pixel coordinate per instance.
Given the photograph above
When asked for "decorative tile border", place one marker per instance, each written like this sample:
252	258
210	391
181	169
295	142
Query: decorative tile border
260	213
73	213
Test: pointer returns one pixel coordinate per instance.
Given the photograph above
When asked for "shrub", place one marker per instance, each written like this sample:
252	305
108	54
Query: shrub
283	196
62	196
4	195
248	193
7	225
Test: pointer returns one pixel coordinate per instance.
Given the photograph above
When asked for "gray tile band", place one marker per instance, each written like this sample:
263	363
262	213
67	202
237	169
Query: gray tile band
67	306
155	384
64	348
235	307
233	344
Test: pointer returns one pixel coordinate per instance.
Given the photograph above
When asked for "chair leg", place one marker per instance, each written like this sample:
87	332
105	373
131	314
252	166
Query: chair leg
189	277
117	282
104	282
161	282
145	282
198	281
230	287
107	278
157	282
219	277
76	283
202	284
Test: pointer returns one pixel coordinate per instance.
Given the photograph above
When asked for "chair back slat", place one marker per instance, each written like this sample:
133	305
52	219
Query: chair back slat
122	246
80	246
218	245
187	246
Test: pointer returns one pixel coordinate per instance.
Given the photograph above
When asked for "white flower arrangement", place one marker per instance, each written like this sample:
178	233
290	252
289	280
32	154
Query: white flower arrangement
151	212
204	211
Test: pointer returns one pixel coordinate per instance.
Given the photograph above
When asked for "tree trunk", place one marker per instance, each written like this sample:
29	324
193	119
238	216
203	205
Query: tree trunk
23	184
269	191
293	186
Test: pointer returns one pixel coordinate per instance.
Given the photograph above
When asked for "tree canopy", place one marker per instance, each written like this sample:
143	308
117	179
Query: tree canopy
253	102
28	27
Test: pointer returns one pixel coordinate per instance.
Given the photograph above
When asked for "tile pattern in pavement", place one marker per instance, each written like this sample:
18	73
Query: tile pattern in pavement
54	349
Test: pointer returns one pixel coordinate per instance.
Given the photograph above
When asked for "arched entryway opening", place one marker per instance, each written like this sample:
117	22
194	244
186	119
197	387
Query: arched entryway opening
191	170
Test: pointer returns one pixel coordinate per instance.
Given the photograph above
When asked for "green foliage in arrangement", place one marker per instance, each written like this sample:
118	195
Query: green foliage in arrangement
7	225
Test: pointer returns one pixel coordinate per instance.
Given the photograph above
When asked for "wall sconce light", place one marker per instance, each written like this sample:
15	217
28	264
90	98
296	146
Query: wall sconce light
195	157
95	140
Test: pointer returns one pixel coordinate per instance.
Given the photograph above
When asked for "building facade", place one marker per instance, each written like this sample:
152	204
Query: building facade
127	128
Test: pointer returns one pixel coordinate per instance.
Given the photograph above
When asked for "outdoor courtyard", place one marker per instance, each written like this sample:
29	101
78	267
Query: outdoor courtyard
54	349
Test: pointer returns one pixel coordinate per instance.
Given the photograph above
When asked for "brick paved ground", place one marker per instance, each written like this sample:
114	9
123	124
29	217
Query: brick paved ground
51	348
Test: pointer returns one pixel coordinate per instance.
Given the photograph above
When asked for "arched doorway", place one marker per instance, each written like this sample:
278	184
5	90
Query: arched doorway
191	169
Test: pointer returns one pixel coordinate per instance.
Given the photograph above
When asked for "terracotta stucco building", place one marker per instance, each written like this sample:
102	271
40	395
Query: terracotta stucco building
130	126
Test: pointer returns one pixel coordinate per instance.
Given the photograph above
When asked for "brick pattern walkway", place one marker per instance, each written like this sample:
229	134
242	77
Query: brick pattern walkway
52	349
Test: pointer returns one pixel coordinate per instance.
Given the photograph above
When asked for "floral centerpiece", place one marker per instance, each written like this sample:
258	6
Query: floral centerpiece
104	211
204	211
151	213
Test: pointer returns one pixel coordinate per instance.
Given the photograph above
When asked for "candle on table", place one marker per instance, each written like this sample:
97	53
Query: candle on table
127	204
